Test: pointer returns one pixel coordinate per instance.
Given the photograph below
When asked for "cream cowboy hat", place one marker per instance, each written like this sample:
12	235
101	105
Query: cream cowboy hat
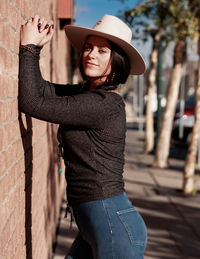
111	28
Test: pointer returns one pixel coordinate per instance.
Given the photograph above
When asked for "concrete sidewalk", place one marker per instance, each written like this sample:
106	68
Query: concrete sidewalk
173	221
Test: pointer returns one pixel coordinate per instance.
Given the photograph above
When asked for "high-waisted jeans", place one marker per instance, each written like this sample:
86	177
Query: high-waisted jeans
109	229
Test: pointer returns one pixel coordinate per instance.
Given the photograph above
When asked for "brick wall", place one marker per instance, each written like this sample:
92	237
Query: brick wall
30	185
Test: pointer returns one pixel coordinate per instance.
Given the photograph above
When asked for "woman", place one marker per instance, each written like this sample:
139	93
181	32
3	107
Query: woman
91	132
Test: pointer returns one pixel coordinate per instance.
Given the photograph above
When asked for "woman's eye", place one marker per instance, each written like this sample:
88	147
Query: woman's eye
87	48
102	51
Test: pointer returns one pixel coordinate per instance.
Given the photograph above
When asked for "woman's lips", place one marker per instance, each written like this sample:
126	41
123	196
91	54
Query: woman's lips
91	64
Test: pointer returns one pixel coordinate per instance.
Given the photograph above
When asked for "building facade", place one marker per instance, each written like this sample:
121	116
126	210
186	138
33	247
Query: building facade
31	187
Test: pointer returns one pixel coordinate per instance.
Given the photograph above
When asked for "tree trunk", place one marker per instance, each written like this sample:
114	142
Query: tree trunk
149	132
190	162
164	136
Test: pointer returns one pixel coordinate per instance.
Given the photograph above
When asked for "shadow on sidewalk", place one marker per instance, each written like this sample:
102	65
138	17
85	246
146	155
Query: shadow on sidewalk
172	219
169	236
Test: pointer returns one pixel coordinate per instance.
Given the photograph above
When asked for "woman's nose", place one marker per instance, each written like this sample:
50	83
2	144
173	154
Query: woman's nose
93	53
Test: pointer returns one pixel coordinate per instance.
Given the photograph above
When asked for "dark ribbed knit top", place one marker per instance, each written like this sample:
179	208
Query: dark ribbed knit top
92	128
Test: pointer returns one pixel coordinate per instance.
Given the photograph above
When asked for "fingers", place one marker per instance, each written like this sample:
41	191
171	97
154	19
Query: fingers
46	27
30	20
37	30
51	27
47	35
41	23
36	19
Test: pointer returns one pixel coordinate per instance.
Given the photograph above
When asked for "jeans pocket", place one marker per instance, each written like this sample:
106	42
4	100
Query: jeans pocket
134	225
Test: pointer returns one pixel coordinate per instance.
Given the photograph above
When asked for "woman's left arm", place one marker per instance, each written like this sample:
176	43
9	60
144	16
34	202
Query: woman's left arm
33	35
90	109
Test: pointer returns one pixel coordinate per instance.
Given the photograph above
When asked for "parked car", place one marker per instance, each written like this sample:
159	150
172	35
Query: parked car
183	123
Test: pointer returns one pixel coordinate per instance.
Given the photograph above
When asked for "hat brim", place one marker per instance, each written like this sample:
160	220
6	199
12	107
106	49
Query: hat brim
78	35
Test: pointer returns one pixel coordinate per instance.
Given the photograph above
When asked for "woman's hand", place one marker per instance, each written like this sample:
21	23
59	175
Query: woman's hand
36	31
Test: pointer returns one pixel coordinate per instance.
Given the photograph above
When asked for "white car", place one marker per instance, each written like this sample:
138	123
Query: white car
183	124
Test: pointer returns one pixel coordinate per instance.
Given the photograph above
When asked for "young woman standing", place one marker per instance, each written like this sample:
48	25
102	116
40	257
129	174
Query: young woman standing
92	131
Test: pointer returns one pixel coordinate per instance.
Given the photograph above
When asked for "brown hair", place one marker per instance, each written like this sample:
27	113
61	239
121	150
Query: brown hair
120	67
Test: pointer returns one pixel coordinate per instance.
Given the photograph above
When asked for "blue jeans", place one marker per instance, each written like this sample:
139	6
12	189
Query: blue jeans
109	229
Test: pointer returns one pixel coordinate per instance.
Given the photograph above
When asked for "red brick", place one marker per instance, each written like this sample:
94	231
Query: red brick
13	220
8	11
9	37
9	86
9	133
19	149
24	7
9	156
8	62
10	180
20	250
17	238
8	110
13	196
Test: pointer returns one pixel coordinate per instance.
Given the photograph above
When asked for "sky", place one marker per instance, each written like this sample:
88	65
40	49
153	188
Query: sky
88	12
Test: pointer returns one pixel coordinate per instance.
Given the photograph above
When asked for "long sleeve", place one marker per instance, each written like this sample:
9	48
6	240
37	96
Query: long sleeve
45	101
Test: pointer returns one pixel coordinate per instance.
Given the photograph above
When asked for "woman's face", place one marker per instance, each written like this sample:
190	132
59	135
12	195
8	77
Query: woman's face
97	58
